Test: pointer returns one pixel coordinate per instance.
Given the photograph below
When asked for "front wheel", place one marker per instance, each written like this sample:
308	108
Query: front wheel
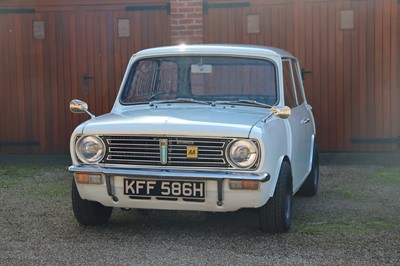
88	212
276	214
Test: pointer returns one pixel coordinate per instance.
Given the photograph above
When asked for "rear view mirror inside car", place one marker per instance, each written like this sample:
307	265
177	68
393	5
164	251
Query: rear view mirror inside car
201	69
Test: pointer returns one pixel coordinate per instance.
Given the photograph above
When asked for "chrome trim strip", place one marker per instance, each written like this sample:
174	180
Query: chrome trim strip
197	175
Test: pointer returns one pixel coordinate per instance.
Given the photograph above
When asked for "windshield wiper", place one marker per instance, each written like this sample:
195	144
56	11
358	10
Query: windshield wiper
244	102
179	100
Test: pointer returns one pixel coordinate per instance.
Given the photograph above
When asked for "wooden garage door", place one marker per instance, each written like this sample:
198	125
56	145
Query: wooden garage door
227	23
81	56
353	83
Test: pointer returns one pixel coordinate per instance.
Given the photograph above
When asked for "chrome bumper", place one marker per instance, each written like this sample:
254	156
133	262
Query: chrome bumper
175	174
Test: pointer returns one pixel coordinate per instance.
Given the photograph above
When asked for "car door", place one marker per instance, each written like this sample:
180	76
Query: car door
299	121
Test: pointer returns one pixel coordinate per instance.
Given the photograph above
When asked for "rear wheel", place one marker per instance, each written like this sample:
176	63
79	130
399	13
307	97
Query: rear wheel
310	186
276	214
88	212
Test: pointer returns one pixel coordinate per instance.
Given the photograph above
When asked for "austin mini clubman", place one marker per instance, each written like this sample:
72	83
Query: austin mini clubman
201	128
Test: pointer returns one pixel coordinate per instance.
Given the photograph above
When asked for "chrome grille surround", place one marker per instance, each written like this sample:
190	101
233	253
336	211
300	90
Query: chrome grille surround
145	151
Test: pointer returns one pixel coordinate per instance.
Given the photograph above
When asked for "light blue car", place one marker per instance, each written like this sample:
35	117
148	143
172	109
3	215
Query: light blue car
205	128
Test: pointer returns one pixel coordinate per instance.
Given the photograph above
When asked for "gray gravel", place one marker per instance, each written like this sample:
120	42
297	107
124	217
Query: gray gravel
353	220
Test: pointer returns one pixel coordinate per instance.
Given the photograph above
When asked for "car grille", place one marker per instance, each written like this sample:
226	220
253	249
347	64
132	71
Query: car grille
144	150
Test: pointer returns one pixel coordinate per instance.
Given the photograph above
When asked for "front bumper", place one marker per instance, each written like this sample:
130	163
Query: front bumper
214	201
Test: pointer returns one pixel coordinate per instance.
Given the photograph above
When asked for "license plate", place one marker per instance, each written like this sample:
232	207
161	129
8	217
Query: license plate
164	188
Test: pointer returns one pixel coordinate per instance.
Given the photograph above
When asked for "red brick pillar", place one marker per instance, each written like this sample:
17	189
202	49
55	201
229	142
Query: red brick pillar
187	21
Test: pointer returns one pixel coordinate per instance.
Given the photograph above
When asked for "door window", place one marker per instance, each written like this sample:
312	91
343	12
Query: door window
289	85
297	82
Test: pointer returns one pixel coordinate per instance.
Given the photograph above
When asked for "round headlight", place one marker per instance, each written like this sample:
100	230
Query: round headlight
242	153
90	149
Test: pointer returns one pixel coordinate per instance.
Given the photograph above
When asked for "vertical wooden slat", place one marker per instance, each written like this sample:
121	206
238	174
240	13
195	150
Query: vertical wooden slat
308	53
117	47
324	100
91	83
224	25
66	61
151	36
231	27
47	87
41	127
315	54
53	80
17	130
61	42
347	89
371	71
19	95
2	78
362	70
340	118
32	48
274	26
103	63
386	39
378	54
301	37
267	29
157	24
27	94
82	56
98	85
124	41
394	69
238	34
290	28
112	88
331	143
75	88
296	28
283	27
145	29
6	104
354	72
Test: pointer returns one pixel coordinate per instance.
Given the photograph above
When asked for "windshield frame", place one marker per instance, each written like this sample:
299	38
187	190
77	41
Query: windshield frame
131	71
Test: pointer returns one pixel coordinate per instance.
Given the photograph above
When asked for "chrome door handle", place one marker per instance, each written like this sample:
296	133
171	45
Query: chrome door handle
305	121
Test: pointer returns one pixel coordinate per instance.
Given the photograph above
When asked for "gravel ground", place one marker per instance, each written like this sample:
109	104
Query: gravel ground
353	220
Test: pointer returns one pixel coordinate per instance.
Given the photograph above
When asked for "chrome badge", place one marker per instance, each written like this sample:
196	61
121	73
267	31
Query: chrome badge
163	151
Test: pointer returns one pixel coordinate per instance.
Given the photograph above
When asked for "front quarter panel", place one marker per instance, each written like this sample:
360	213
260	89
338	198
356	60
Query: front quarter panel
274	138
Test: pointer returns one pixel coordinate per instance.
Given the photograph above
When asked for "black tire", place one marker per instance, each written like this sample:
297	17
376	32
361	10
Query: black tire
310	185
276	214
88	212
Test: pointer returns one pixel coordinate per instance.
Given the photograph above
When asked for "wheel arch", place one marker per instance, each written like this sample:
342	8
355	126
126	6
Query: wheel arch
274	180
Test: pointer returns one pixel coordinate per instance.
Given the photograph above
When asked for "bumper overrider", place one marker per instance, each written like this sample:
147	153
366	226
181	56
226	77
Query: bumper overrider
104	184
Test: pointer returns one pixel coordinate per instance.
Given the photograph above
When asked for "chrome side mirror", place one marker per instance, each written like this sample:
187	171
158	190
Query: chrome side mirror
79	107
282	112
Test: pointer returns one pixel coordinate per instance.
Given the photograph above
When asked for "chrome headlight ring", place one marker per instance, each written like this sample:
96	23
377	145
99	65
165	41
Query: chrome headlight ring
242	153
90	149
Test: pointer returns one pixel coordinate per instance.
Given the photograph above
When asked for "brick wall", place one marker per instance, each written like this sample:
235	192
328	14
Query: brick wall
187	21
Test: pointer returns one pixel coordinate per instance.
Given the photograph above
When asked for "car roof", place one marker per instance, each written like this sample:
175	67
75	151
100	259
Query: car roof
215	49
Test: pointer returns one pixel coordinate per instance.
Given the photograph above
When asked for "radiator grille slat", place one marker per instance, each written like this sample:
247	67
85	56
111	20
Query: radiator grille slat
143	150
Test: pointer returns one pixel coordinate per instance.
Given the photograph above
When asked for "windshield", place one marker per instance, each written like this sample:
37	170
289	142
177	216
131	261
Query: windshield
207	79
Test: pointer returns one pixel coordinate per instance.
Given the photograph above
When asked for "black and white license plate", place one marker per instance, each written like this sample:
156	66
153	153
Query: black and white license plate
164	188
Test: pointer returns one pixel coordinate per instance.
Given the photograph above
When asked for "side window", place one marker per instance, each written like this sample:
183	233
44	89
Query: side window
297	82
289	90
